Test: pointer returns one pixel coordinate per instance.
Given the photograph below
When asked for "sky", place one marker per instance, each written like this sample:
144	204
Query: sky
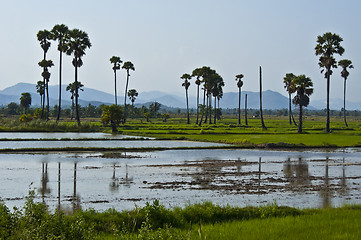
166	38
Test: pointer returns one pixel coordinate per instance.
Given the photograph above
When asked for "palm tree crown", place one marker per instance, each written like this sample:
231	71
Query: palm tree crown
345	63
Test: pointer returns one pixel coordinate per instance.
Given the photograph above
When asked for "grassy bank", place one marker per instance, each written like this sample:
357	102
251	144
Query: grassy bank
279	133
198	221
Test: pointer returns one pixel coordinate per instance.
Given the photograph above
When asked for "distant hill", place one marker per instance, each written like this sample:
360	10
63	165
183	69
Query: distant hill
271	99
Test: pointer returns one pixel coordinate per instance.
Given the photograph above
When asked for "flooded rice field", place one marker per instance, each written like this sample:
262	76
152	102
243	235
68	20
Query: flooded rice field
97	180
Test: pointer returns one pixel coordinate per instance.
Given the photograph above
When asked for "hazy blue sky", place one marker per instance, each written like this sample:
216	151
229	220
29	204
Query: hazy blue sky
166	38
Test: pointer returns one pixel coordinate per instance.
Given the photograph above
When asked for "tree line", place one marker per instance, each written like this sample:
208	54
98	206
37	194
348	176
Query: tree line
328	45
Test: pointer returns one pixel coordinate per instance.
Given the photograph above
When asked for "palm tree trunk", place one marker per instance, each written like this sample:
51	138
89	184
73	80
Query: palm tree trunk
47	100
215	110
289	108
300	120
188	122
239	106
245	110
60	67
115	87
210	108
260	97
328	102
344	102
125	97
204	106
76	94
197	103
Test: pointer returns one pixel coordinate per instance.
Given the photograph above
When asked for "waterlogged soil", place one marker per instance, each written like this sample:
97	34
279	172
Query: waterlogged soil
121	181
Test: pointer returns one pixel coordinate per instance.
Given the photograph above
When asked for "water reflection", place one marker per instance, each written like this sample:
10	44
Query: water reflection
68	181
44	189
297	174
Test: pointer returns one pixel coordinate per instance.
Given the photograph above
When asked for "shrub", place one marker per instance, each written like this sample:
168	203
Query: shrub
25	118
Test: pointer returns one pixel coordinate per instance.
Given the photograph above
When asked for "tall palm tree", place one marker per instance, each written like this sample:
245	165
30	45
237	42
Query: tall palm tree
217	92
304	88
186	84
77	42
43	37
127	66
71	88
239	85
45	64
290	88
345	63
197	73
41	90
116	66
132	95
327	45
59	33
260	97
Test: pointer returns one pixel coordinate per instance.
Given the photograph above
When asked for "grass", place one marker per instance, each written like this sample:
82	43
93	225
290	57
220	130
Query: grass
197	221
278	133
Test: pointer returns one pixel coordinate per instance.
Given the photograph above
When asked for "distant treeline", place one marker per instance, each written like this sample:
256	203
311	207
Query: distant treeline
156	110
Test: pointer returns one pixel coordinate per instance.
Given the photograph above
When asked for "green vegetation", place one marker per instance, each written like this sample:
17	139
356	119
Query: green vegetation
197	221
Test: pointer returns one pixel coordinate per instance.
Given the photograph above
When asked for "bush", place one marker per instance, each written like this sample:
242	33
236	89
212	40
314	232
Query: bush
25	118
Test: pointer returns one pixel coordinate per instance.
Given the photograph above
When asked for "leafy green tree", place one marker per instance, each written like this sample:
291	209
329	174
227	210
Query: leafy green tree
25	101
239	85
59	33
304	88
290	88
186	77
345	64
132	95
43	37
45	64
165	116
76	43
12	109
116	66
154	108
327	45
112	114
127	66
72	89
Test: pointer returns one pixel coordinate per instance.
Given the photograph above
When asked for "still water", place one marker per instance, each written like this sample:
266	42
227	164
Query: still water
177	177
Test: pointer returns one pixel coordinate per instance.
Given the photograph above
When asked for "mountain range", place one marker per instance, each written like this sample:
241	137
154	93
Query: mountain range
271	99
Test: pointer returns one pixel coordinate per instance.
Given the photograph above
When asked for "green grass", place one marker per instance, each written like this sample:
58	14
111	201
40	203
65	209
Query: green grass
197	221
278	133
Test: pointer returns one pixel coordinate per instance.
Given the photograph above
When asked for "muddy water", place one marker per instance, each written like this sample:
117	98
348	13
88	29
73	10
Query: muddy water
178	177
235	177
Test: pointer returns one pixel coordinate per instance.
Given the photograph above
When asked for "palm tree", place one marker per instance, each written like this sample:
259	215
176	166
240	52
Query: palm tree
43	37
239	85
71	88
304	88
345	63
127	66
45	64
327	45
59	33
290	88
260	97
25	101
186	84
40	89
217	92
197	73
132	94
77	42
116	66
